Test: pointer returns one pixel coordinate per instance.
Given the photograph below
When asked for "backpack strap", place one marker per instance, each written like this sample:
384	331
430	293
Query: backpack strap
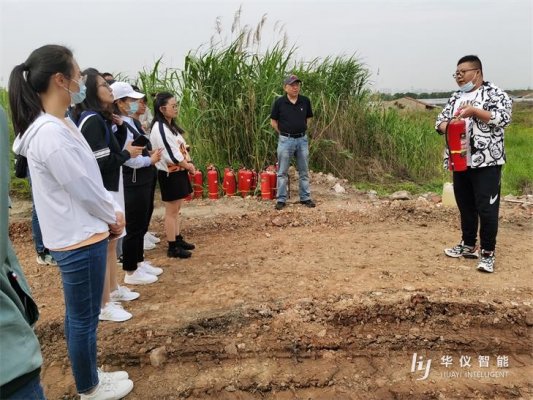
165	142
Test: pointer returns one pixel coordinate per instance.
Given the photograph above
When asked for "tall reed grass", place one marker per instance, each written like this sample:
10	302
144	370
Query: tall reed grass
226	93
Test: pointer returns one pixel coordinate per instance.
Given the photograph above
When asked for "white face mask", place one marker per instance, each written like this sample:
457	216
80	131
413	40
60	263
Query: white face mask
467	87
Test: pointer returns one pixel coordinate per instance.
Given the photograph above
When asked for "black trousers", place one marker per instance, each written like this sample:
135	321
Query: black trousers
477	192
137	201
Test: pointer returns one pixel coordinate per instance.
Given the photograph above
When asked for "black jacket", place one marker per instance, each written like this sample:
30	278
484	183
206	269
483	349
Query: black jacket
107	149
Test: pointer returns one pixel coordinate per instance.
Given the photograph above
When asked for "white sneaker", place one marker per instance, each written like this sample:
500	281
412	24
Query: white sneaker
148	245
152	238
114	312
106	377
122	293
112	390
148	268
139	278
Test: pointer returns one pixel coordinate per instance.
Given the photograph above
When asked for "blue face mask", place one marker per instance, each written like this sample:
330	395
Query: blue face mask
467	87
134	107
78	97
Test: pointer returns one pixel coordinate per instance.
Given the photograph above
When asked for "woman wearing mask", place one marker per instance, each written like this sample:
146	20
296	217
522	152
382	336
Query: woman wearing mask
77	214
138	180
94	118
173	169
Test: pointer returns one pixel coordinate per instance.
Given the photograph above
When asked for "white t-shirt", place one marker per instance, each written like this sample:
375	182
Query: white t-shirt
468	98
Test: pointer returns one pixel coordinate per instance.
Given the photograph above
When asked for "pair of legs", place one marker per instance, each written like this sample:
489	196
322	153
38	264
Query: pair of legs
137	207
111	282
83	273
299	148
172	219
477	193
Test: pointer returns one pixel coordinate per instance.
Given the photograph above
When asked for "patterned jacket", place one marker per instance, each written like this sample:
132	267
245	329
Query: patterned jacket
486	139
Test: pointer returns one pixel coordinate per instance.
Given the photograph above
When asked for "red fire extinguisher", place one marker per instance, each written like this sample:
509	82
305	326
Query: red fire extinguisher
456	143
266	193
245	181
197	184
254	181
212	182
229	185
271	169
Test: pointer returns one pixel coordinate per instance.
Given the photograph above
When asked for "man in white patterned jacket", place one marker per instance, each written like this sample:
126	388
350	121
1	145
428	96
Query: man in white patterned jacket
487	111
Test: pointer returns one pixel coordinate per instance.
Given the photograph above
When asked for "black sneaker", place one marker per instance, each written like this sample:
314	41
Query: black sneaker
178	252
183	244
280	205
308	203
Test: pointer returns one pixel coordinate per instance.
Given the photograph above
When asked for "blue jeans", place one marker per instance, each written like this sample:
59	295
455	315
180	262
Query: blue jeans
35	227
31	391
288	147
36	231
83	273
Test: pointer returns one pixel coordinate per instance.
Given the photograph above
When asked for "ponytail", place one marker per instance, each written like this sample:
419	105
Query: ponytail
32	77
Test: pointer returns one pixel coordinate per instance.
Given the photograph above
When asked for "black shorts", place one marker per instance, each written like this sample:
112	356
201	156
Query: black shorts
174	185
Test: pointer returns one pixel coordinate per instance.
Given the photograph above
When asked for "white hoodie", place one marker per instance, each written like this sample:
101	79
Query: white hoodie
69	196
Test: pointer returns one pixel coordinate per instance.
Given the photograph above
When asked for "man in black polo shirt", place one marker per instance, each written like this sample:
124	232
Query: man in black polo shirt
289	118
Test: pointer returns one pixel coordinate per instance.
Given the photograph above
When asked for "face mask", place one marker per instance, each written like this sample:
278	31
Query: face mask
467	87
134	107
77	98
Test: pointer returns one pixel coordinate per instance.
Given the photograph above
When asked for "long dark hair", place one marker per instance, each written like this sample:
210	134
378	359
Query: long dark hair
161	100
32	77
92	102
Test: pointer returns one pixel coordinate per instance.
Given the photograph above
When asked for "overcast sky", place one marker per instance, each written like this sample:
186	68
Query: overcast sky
406	44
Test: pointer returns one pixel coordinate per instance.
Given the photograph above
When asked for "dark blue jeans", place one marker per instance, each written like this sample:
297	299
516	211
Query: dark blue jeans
32	391
83	274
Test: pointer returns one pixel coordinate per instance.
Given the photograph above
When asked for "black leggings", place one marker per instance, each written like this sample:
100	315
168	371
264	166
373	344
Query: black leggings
477	192
137	201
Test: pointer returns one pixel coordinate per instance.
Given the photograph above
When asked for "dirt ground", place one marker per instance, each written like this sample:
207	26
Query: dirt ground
351	300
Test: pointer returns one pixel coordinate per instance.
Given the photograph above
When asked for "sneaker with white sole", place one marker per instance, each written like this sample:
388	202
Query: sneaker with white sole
114	312
148	268
105	377
45	258
148	245
462	250
139	277
486	264
112	390
152	238
122	293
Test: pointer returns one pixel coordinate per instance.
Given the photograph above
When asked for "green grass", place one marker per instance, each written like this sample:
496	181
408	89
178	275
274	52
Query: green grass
517	176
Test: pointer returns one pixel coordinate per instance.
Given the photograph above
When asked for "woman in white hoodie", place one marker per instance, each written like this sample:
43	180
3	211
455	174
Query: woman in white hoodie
76	213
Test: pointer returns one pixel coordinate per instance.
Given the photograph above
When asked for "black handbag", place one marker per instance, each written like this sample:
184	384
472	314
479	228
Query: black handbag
21	166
